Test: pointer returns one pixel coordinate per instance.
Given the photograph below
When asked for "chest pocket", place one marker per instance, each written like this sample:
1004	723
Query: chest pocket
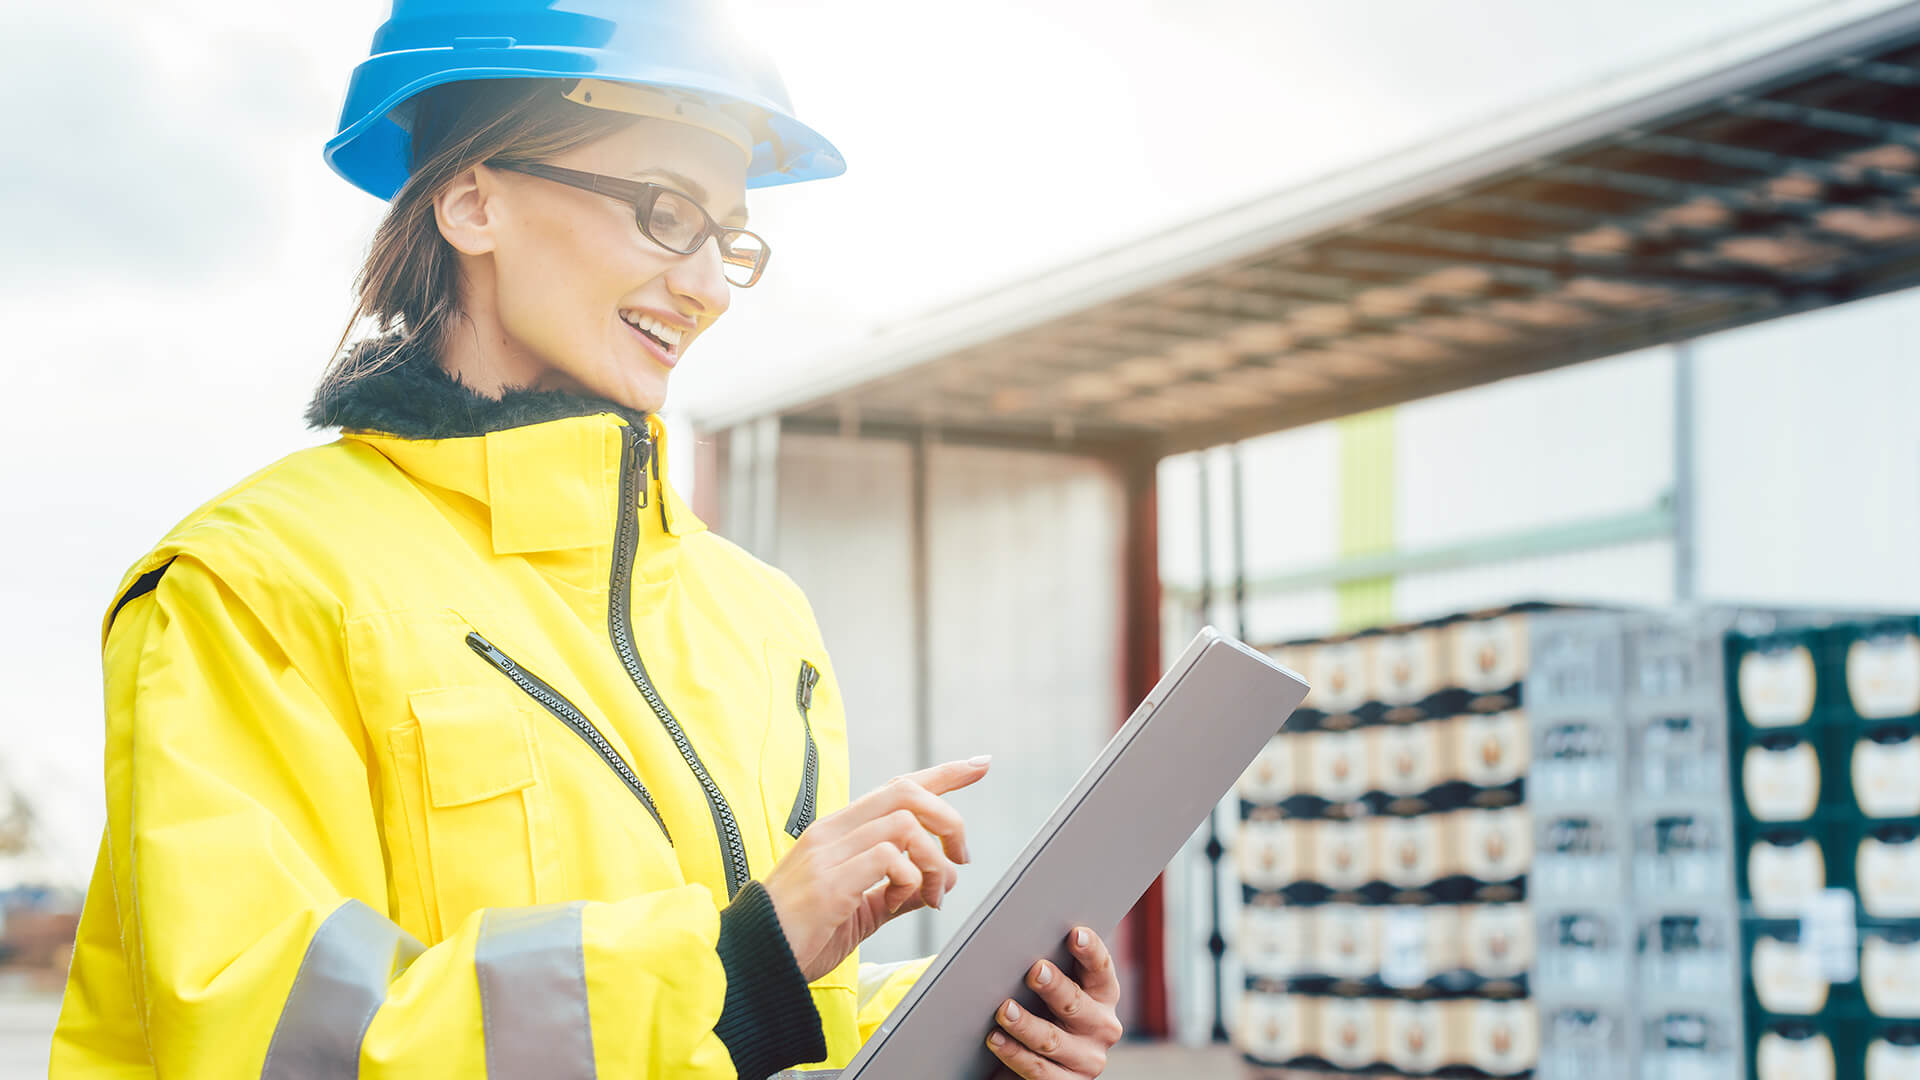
471	784
803	766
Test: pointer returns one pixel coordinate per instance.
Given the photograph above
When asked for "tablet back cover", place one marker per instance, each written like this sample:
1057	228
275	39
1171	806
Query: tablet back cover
1159	777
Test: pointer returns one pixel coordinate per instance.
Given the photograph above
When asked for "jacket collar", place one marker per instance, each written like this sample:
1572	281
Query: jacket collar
546	463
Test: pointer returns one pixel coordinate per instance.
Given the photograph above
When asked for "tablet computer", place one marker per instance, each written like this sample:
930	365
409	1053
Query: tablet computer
1153	785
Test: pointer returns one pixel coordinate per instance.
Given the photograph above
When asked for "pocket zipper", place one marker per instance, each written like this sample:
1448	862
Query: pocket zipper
805	803
564	710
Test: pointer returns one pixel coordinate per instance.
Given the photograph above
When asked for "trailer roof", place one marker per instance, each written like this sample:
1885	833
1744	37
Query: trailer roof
1778	171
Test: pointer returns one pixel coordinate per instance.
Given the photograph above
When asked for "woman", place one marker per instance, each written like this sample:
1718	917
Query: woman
457	746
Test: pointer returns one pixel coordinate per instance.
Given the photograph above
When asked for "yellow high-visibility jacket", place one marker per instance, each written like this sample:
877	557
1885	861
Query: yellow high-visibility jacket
443	757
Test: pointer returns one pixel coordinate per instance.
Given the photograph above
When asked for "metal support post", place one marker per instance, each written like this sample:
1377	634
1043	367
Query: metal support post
1216	941
1686	565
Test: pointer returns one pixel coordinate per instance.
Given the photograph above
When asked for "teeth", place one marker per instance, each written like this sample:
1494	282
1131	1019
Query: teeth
669	334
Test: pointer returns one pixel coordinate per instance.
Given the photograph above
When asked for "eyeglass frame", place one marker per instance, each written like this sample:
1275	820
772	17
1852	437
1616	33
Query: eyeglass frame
641	195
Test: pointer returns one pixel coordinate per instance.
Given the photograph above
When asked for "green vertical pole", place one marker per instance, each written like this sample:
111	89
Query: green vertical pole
1366	513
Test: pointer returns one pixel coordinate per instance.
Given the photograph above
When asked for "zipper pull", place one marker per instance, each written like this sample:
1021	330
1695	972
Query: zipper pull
804	692
643	454
487	650
655	459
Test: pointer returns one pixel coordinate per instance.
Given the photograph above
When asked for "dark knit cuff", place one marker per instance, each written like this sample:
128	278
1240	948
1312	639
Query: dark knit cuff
769	1021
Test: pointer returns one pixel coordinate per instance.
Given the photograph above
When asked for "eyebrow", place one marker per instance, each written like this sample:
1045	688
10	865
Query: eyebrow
689	185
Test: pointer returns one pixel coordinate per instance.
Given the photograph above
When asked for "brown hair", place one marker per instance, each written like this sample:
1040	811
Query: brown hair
410	281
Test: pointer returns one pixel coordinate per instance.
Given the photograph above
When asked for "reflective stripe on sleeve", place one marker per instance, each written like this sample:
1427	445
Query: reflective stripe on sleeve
341	982
873	979
533	993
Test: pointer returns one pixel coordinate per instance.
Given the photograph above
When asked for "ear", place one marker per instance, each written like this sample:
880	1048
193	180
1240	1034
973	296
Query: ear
461	211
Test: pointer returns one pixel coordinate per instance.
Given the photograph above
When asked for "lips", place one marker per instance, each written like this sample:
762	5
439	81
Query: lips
659	337
667	334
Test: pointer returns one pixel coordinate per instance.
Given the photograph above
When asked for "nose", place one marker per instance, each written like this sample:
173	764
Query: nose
699	282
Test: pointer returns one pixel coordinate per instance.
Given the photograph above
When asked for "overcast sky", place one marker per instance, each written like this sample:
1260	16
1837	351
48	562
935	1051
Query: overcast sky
175	257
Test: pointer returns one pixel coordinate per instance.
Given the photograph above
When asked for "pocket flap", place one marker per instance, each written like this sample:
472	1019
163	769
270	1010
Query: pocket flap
474	744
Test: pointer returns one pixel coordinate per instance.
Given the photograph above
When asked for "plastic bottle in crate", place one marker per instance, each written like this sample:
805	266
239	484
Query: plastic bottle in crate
1680	853
1686	1044
1786	972
1583	951
1583	1042
1684	951
1894	1053
1793	1050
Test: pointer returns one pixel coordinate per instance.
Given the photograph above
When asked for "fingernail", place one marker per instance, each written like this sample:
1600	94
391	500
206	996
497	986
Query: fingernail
1044	975
1013	1011
997	1039
982	760
1080	938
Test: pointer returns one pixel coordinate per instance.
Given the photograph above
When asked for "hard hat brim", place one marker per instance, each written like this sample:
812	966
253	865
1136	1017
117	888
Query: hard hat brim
371	152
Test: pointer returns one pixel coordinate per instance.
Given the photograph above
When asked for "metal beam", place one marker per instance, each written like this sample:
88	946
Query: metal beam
1114	442
1213	299
1658	188
1825	119
1772	163
1359	337
1879	71
1160	313
1545	213
1648	328
1565	263
1543	278
1585	535
1290	282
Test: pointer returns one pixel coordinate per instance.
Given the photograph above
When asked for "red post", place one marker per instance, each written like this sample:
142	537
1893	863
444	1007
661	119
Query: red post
1143	932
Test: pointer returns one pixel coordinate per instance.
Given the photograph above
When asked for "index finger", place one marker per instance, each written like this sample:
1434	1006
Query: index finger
952	775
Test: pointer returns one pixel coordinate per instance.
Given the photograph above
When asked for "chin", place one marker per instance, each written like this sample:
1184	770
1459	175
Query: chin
643	395
620	382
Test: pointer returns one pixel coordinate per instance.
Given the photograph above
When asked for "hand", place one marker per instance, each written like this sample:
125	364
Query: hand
889	852
1083	1027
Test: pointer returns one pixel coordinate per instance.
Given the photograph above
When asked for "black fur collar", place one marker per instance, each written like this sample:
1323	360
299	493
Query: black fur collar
408	394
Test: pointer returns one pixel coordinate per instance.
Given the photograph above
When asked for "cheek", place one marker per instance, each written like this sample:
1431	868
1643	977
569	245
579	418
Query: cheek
539	288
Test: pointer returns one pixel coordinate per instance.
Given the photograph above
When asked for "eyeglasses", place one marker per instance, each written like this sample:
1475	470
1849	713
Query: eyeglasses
666	217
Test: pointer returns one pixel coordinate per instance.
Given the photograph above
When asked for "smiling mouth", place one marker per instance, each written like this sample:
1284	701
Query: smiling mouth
666	338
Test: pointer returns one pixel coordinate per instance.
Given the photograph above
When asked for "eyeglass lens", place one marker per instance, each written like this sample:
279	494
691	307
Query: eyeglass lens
676	222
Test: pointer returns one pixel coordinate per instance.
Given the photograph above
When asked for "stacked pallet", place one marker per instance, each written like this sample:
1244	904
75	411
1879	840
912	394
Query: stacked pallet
1633	875
1826	749
1594	845
1383	857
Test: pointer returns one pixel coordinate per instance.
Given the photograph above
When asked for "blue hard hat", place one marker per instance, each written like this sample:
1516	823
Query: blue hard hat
677	45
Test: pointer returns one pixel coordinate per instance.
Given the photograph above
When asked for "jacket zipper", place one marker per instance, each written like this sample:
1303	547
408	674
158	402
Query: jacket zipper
635	457
557	704
804	803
